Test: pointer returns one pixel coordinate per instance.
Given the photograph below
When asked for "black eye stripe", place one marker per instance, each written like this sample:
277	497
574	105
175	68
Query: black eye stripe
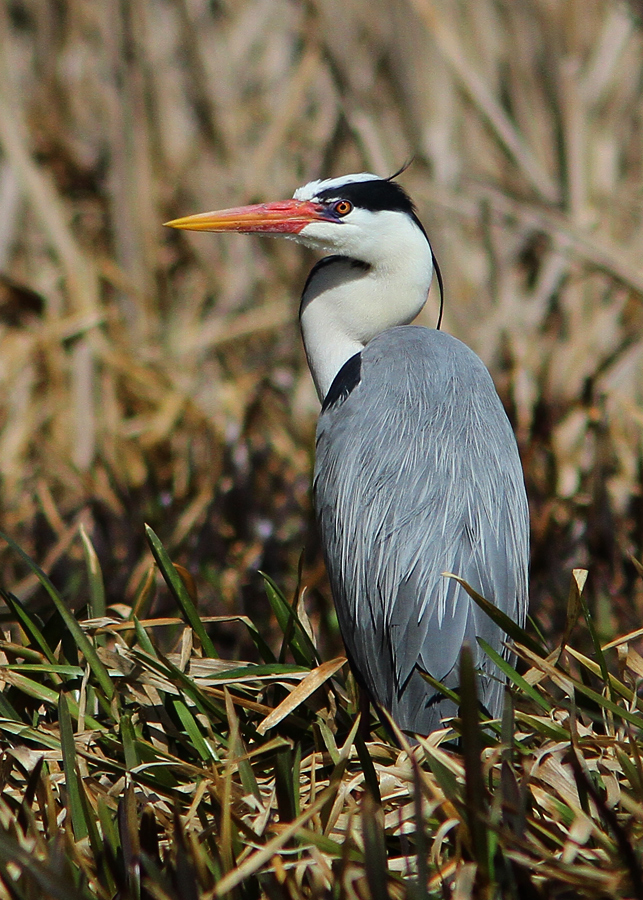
373	195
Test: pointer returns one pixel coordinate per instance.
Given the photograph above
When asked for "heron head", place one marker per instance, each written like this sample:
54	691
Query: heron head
361	216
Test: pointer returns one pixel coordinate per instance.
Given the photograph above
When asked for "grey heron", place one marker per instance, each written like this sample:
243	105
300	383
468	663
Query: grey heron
417	471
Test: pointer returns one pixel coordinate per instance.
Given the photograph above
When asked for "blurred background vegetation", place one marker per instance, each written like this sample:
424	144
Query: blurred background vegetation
153	376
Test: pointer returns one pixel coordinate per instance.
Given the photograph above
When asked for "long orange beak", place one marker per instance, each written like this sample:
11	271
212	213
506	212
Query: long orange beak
283	217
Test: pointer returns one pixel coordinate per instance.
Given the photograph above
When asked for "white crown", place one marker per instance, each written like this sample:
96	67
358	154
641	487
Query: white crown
314	188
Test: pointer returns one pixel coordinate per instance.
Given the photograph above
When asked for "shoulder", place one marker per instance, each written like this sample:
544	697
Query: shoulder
414	344
417	381
410	362
430	366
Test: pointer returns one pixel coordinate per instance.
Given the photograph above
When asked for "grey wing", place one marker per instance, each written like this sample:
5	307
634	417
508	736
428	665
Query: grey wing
417	476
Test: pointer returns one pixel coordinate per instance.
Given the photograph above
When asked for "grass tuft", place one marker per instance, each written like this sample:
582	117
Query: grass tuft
203	778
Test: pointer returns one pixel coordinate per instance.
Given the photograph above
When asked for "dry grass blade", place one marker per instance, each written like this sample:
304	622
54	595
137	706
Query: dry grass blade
261	857
574	606
82	279
484	99
314	680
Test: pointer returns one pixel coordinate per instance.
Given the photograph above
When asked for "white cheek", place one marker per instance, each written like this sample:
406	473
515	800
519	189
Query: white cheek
323	235
357	239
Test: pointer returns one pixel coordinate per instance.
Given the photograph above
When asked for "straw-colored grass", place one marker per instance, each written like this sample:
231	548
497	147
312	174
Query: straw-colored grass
135	774
151	376
160	376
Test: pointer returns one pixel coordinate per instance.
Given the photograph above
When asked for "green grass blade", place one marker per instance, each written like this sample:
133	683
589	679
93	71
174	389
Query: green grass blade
370	775
179	592
617	686
29	624
284	785
128	739
295	637
110	844
610	705
296	778
421	883
48	696
186	879
71	671
34	689
508	670
631	773
143	638
129	839
259	671
76	806
262	647
7	711
598	650
474	787
441	688
108	828
19	733
94	576
87	649
375	859
543	726
501	619
90	818
445	778
193	731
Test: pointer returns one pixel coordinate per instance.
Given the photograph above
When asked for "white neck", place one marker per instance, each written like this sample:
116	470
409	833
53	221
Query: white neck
347	302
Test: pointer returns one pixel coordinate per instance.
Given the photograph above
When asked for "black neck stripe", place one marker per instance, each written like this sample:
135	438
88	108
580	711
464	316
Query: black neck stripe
348	377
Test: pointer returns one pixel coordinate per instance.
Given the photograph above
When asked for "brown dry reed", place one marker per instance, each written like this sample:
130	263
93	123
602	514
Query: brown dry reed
150	375
132	774
153	376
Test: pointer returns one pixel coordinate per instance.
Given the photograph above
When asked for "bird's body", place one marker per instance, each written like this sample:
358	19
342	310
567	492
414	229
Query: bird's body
417	472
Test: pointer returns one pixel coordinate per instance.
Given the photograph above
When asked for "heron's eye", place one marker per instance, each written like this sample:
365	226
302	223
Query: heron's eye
342	207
